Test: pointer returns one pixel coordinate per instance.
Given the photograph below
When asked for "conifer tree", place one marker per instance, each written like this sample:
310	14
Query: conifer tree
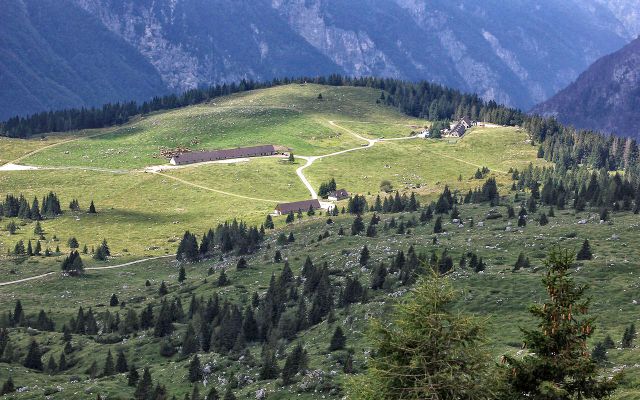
29	249
268	223
212	395
543	219
364	256
269	369
338	340
290	218
92	208
242	264
109	367
52	366
38	249
33	360
430	351
113	301
190	341
585	251
182	274
195	369
228	395
358	225
522	221
222	279
162	290
62	363
608	342
132	376
437	226
121	362
145	386
628	337
277	257
559	367
92	371
8	386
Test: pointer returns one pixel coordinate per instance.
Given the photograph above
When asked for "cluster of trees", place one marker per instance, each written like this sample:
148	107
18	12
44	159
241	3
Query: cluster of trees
18	318
72	264
228	237
326	188
19	207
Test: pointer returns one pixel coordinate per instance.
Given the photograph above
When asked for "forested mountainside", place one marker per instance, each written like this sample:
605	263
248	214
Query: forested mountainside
74	53
606	97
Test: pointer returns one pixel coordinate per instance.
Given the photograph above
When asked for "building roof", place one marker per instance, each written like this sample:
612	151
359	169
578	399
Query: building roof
459	129
339	194
295	206
466	120
198	156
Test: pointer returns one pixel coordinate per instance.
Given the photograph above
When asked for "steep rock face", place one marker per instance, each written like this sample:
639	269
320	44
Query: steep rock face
518	52
55	55
200	42
605	97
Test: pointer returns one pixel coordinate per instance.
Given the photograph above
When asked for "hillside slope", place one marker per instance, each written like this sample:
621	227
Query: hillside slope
55	55
606	97
106	50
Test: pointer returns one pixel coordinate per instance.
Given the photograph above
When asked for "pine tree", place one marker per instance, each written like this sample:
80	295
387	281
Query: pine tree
133	376
162	290
229	395
52	366
145	386
212	395
222	279
114	300
92	371
92	208
437	226
338	340
109	367
33	360
121	362
290	218
628	337
585	251
62	363
38	250
543	219
8	387
608	342
431	351
269	369
558	366
182	274
364	256
29	249
599	353
195	369
277	257
268	223
242	264
358	226
522	221
190	341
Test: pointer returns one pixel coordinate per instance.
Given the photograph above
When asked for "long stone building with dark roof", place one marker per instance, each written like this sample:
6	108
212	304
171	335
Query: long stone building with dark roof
304	206
216	155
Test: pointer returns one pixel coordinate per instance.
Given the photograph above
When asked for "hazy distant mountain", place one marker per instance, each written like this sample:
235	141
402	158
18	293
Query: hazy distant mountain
83	52
605	97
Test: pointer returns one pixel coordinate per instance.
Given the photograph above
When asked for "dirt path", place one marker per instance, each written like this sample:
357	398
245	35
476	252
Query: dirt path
86	269
312	159
29	154
215	190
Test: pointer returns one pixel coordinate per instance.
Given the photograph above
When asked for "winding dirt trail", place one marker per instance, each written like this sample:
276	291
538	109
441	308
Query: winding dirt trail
86	269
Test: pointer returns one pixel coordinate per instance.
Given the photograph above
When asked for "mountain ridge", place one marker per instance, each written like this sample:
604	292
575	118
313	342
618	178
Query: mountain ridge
605	97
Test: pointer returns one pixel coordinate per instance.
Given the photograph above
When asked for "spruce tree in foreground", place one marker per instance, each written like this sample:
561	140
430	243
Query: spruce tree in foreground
430	351
364	256
558	366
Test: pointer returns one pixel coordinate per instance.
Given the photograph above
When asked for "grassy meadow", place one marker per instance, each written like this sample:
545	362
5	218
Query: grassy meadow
499	295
